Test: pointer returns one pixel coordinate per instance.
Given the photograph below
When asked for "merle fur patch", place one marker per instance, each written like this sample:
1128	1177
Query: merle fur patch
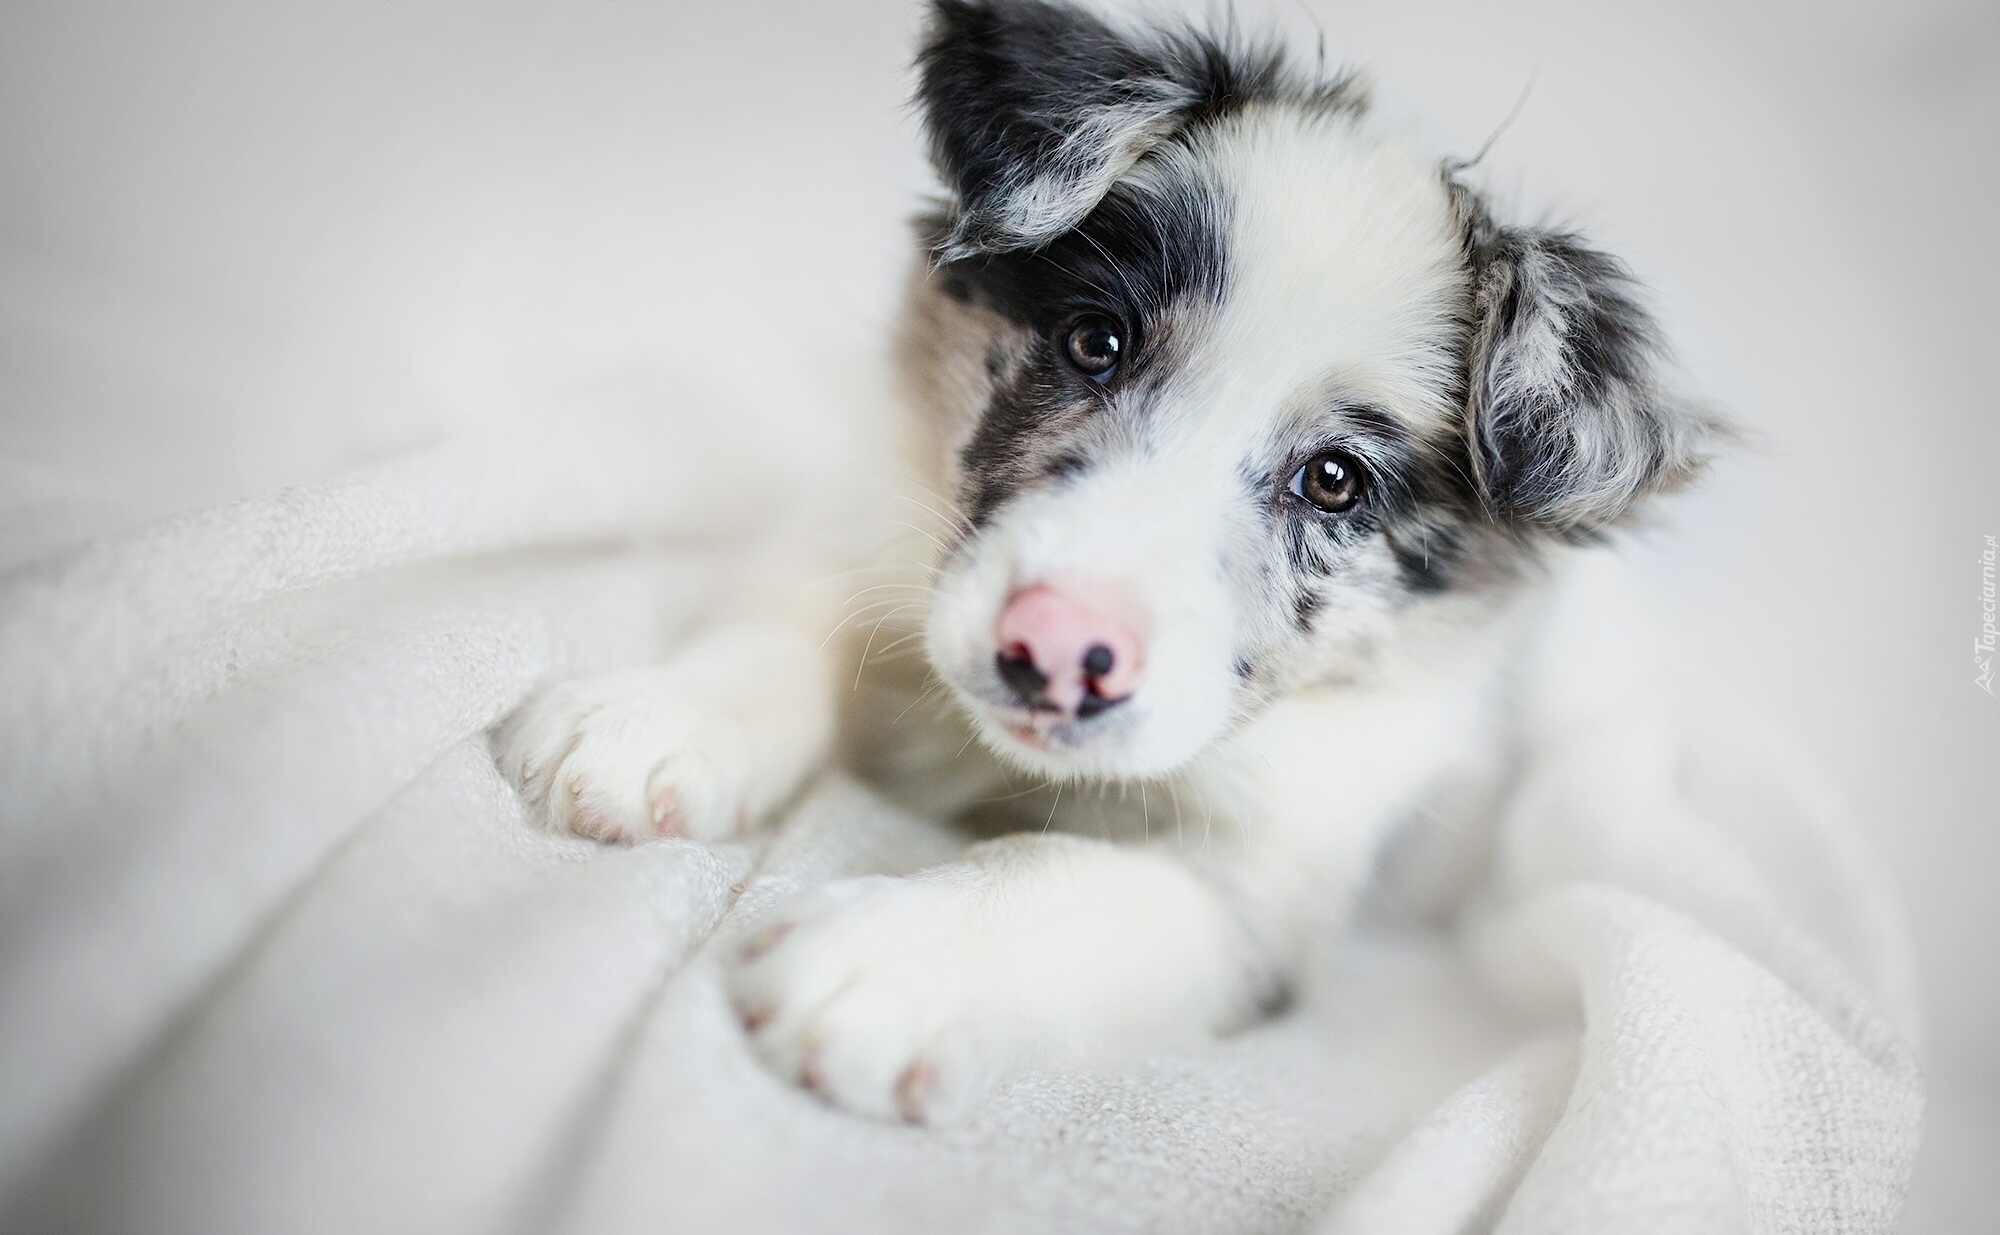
1570	426
1035	110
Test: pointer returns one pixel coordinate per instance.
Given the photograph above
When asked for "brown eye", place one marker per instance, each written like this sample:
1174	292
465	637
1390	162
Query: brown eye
1093	346
1330	480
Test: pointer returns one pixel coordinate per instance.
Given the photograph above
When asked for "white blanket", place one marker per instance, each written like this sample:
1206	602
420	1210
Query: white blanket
278	952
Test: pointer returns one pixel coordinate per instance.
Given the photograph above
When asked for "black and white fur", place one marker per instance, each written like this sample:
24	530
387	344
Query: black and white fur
1286	285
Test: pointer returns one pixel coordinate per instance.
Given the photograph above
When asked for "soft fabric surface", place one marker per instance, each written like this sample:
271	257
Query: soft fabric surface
281	954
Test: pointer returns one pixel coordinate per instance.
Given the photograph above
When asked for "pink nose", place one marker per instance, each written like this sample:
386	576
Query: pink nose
1057	655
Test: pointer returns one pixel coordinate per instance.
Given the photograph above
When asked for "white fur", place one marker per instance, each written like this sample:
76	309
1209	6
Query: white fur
1346	264
903	998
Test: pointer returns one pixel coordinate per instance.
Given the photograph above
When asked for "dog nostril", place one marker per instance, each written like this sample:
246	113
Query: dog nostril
1098	660
1017	669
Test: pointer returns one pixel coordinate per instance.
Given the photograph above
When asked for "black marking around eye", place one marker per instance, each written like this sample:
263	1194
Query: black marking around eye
1137	258
1416	494
1310	545
997	460
1133	258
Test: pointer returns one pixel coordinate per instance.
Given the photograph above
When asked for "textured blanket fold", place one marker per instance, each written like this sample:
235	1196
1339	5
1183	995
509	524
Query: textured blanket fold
278	951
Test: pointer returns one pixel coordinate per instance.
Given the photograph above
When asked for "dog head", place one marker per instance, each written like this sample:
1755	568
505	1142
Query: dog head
1233	395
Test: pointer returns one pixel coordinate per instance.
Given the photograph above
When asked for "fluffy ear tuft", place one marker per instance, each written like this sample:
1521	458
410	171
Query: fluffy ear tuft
1036	109
1571	430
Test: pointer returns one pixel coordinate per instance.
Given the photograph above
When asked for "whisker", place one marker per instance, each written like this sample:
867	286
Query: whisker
1037	787
869	570
874	465
1081	277
928	692
900	641
955	521
871	642
924	588
863	610
921	532
890	658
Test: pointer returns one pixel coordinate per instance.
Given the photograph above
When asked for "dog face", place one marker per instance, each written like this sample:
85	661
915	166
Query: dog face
1234	397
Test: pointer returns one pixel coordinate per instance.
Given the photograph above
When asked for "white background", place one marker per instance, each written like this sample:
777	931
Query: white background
243	245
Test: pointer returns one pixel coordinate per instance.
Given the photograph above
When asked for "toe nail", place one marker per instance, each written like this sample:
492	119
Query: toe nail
591	822
917	1082
811	1080
668	817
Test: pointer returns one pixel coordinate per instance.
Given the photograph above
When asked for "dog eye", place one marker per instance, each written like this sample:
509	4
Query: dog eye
1093	345
1330	480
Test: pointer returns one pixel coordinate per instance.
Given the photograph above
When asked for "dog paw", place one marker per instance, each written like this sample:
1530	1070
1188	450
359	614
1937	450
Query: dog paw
627	756
864	991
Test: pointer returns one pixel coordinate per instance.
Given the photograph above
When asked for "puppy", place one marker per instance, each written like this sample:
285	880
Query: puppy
1263	441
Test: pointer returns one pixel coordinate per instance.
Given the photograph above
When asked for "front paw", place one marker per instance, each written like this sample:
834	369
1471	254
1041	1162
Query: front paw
627	756
870	992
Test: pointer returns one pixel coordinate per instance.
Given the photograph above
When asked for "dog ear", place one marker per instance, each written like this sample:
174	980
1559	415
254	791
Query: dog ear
1570	427
1036	109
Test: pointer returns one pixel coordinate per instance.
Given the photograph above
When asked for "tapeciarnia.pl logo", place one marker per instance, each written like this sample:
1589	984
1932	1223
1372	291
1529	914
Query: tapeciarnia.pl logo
1982	647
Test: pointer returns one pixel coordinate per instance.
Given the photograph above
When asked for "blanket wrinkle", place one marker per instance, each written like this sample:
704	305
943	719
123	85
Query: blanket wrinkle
517	972
280	952
115	608
1711	1094
1458	1166
152	894
1562	828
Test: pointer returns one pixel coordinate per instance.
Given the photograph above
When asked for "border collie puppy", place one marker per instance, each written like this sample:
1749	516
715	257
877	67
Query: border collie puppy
1266	440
